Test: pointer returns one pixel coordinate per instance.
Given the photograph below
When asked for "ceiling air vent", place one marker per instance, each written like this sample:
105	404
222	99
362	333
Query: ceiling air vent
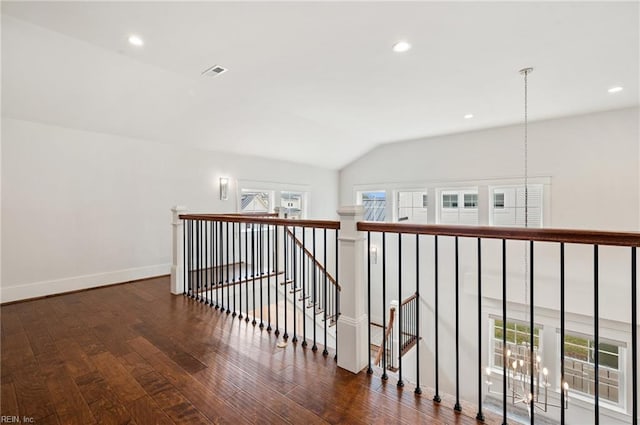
214	71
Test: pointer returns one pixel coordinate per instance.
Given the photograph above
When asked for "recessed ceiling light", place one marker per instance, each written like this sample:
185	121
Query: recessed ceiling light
401	46
616	89
135	40
468	116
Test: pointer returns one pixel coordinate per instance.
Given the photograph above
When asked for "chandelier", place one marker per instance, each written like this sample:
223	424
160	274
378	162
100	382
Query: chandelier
519	380
523	366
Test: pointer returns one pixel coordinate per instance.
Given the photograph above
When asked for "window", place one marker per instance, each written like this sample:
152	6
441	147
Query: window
375	204
255	201
579	364
449	200
412	206
518	338
508	206
498	200
452	211
292	204
471	200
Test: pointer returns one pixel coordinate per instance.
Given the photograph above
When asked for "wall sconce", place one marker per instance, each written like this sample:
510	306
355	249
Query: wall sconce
374	254
224	188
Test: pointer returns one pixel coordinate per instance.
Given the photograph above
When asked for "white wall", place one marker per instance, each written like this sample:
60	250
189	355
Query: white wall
592	161
590	166
82	209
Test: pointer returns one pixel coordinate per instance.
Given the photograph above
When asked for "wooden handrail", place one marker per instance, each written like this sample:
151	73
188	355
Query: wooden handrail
261	219
392	315
591	237
253	214
409	299
315	260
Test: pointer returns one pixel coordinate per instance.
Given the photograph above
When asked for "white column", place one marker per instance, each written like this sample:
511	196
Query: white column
177	254
353	321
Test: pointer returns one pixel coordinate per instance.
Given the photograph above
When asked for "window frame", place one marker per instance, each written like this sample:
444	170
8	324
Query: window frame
450	201
495	201
517	323
504	210
621	370
416	208
360	201
474	202
270	196
457	215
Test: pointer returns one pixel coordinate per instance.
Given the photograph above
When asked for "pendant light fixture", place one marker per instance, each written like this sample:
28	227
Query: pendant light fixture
527	378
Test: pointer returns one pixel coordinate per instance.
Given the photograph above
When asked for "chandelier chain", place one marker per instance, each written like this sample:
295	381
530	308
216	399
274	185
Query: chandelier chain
526	147
525	72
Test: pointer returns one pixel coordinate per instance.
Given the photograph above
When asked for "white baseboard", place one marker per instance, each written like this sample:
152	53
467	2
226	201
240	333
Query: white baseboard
59	286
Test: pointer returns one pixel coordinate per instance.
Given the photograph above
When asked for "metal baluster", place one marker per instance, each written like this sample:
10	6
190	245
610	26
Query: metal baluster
634	336
222	265
253	271
369	369
276	266
240	316
228	280
303	260
436	397
401	316
325	352
596	339
246	269
286	276
562	305
199	257
212	245
314	348
205	232
505	367
261	270
233	250
417	390
189	257
295	285
384	307
269	272
479	415
532	357
337	294
184	256
457	407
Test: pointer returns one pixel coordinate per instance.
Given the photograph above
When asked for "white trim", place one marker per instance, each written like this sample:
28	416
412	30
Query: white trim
9	293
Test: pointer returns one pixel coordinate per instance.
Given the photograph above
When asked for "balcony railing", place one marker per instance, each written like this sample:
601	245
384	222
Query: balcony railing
408	240
283	274
271	272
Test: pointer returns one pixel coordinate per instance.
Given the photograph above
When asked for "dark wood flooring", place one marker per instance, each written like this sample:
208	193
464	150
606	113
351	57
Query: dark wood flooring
134	353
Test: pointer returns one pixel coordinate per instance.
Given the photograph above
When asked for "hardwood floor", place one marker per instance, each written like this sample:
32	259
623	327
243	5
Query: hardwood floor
134	353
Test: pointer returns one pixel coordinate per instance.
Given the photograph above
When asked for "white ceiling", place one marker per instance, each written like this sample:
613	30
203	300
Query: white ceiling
312	82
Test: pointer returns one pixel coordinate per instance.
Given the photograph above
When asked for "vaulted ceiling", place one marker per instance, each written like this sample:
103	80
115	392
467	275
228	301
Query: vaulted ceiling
311	82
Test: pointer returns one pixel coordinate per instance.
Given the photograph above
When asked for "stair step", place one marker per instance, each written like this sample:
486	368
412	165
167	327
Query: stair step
304	298
286	282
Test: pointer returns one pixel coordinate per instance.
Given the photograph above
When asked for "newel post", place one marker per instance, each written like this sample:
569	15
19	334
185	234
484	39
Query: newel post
353	321
177	251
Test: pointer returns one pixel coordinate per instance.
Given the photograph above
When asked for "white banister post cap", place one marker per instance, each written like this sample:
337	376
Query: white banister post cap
351	210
